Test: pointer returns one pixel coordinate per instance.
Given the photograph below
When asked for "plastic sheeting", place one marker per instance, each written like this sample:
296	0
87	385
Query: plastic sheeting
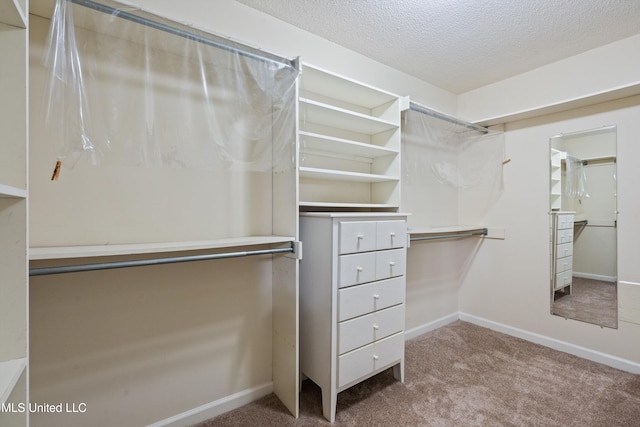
119	92
575	183
449	167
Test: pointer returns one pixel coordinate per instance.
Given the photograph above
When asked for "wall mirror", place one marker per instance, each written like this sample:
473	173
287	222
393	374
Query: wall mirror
583	221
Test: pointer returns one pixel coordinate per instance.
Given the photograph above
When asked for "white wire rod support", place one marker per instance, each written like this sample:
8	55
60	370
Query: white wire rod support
44	271
429	112
453	235
210	39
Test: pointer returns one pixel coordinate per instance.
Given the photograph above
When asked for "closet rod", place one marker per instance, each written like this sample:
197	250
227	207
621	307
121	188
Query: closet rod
482	232
43	271
211	40
429	112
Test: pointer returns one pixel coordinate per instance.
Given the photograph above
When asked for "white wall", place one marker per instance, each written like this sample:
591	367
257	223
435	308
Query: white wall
508	282
604	73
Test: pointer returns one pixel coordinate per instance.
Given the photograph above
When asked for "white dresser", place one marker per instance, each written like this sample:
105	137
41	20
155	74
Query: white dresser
352	299
562	247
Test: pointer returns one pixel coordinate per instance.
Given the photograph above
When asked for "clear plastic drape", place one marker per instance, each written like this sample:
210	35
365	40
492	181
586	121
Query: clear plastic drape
575	183
447	163
119	92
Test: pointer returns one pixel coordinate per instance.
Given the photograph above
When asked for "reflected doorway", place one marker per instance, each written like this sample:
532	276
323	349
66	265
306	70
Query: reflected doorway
583	207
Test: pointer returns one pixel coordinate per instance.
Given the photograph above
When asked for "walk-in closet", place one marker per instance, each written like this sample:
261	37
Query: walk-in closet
205	205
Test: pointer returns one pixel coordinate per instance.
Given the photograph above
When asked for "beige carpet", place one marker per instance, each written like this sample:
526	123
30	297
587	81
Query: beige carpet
591	301
465	375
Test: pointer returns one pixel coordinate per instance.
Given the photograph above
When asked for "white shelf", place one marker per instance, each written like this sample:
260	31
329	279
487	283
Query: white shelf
349	141
314	141
331	205
337	175
354	214
10	372
65	252
7	191
12	13
335	117
344	89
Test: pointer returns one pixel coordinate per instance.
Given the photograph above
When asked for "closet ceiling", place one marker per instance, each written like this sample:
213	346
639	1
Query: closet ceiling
460	45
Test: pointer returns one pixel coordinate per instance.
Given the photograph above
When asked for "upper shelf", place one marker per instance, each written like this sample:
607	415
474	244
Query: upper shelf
7	191
335	117
13	12
343	89
66	252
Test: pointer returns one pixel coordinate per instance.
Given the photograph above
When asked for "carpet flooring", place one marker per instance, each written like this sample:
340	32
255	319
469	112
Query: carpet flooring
465	375
592	301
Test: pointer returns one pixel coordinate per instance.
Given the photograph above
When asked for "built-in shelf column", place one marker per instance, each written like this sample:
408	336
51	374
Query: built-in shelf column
13	212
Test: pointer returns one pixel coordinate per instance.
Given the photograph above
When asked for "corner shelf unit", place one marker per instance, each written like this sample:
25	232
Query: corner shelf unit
14	294
555	190
350	133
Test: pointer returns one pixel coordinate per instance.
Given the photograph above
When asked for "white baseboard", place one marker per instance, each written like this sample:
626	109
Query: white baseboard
595	276
576	350
431	326
215	408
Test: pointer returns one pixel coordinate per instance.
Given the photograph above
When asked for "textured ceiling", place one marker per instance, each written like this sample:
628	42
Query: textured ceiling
460	45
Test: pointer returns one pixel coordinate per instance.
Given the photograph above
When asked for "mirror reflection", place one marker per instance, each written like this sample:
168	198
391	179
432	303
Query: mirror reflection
583	217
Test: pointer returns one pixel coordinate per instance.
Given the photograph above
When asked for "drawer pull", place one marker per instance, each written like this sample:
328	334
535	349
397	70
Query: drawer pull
360	237
360	269
376	327
392	234
375	357
392	263
376	296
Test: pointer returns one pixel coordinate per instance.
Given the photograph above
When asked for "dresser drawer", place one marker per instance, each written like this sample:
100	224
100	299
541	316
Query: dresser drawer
565	236
391	234
357	236
362	299
390	263
372	327
565	221
564	264
356	268
365	360
563	279
564	249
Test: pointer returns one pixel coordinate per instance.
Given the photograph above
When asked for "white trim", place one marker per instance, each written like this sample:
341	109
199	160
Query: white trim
217	407
595	277
431	326
576	350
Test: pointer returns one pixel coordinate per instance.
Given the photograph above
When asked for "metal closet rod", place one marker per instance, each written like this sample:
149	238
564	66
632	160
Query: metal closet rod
429	112
44	271
452	235
210	40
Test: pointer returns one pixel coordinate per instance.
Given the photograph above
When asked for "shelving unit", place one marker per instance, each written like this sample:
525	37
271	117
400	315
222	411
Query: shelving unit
555	190
13	209
349	132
